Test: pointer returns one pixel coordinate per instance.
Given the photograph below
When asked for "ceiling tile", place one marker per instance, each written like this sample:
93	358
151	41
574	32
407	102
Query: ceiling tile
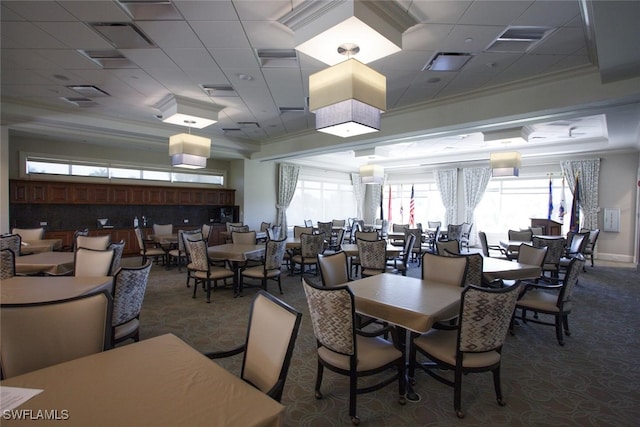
221	34
96	10
75	35
198	10
236	58
28	35
494	12
170	34
39	10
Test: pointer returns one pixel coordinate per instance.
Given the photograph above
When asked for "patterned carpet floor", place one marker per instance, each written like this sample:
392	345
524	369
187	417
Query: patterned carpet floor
594	380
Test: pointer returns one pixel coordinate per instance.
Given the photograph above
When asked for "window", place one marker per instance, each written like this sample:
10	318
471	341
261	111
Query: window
510	204
427	202
44	166
321	201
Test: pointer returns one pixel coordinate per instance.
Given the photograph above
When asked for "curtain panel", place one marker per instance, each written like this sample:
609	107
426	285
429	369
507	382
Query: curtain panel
288	179
475	181
447	183
588	172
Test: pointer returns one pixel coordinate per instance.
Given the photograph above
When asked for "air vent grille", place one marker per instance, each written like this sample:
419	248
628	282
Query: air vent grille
123	35
519	39
80	102
447	61
277	58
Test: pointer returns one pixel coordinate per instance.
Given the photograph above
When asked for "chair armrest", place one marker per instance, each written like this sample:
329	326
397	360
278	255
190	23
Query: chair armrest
227	353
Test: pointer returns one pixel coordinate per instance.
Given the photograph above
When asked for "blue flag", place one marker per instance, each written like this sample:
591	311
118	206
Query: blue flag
550	201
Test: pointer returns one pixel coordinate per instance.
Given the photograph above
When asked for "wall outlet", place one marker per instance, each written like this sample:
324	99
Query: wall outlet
186	221
43	223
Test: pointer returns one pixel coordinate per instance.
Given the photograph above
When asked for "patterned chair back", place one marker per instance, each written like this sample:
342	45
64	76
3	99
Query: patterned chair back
274	254
485	315
7	263
520	236
333	316
454	231
373	254
569	282
311	245
129	286
555	250
451	246
118	249
198	253
299	231
366	235
11	241
325	228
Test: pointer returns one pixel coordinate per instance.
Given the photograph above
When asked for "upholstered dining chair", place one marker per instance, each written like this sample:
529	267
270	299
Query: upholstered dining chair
373	257
162	229
98	243
487	248
451	246
129	286
465	235
310	246
203	271
334	268
590	247
555	250
475	345
269	343
147	250
37	335
325	228
401	263
449	270
576	244
270	268
92	262
345	350
29	233
475	262
178	253
454	231
7	263
194	236
361	235
118	250
551	300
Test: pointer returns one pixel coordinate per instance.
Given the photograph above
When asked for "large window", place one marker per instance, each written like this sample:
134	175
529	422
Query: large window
510	204
427	203
44	166
321	201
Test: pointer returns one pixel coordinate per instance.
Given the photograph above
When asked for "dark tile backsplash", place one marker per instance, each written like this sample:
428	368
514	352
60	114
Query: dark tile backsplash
74	217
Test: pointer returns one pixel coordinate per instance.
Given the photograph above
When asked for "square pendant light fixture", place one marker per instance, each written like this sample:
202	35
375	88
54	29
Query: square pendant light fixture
187	112
189	151
347	99
372	174
505	163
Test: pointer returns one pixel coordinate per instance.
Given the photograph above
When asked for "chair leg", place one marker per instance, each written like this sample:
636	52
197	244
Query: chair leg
280	285
559	330
319	379
208	291
498	387
195	287
457	393
353	395
565	323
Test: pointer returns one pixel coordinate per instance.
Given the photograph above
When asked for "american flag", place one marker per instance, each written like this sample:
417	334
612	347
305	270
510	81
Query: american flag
412	208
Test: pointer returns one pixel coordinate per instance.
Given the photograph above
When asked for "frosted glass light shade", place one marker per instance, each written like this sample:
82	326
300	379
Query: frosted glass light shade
372	174
189	151
505	163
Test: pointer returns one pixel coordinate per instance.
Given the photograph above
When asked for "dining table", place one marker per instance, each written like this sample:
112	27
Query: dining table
45	262
496	268
160	381
351	249
36	289
412	305
43	245
236	254
512	245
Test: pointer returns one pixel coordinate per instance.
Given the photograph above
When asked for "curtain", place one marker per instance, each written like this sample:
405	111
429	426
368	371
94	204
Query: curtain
288	179
447	183
588	172
359	193
475	181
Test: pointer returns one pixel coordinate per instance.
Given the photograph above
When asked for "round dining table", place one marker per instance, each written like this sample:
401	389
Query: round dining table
35	289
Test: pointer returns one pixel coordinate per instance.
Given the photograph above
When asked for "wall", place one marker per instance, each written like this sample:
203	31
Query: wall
259	192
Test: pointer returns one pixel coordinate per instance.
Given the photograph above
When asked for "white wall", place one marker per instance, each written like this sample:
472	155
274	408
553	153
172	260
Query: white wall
260	192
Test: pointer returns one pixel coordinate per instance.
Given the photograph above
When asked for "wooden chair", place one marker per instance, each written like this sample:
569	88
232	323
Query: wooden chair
475	345
348	351
42	334
268	347
129	286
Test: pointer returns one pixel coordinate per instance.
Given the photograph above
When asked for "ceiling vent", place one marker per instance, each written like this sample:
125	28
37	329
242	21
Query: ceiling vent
248	125
447	61
148	10
80	102
277	58
284	110
518	39
88	90
219	90
108	59
123	35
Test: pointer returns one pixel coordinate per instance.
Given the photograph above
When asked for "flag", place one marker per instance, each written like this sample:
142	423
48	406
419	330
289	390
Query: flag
381	210
550	201
574	225
389	208
412	208
562	209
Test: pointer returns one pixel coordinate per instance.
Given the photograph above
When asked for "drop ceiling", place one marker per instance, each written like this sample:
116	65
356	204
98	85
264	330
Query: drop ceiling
239	57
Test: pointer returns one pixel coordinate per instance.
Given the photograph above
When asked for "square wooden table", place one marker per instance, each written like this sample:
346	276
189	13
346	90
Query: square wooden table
158	381
45	262
236	254
495	268
31	289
